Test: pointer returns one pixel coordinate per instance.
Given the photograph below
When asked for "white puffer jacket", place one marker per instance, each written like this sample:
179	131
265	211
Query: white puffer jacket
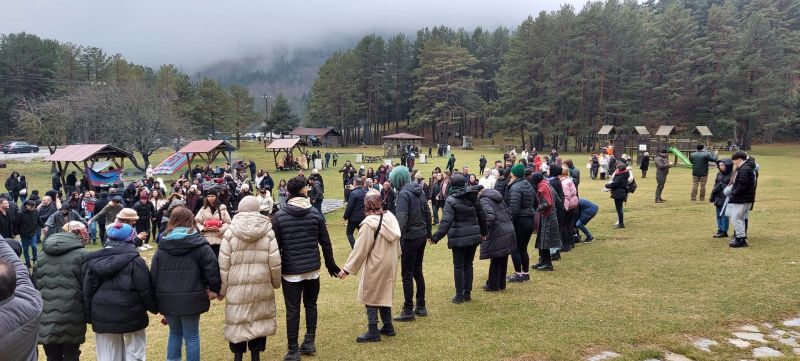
250	267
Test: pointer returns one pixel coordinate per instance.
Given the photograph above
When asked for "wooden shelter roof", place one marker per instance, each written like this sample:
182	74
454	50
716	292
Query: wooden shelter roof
207	146
83	152
285	143
666	130
403	136
605	130
317	132
641	130
703	131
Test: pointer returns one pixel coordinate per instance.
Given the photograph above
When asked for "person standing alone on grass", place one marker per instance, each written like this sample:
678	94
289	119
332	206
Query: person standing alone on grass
59	277
186	277
741	195
700	160
301	230
250	268
354	213
619	191
718	197
645	165
662	170
376	254
414	219
451	163
117	294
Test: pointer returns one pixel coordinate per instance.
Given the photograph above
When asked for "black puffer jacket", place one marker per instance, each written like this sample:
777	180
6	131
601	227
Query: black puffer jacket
619	185
500	238
413	213
300	232
355	205
183	268
723	178
744	183
28	222
519	198
460	219
116	289
501	185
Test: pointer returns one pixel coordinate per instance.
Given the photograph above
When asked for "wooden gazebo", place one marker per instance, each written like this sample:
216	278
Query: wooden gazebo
207	150
286	146
393	144
84	156
704	132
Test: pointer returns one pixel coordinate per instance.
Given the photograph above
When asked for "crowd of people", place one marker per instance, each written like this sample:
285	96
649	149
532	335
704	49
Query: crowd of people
217	240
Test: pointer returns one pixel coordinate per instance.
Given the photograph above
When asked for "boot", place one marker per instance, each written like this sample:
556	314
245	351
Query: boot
238	356
386	319
372	334
458	299
255	356
308	347
421	311
293	354
467	296
738	242
545	267
405	316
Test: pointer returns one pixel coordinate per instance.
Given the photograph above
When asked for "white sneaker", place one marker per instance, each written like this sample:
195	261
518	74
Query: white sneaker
148	246
142	248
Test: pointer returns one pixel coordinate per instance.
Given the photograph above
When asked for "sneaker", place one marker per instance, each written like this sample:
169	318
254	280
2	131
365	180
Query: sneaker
458	299
405	316
588	240
546	267
142	248
720	234
738	243
517	278
619	226
526	277
148	246
369	337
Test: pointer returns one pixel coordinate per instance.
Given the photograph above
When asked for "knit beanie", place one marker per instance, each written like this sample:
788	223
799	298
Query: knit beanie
399	177
555	170
249	204
121	232
518	170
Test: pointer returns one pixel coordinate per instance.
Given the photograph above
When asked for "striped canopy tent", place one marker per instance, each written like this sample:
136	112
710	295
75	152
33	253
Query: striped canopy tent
84	156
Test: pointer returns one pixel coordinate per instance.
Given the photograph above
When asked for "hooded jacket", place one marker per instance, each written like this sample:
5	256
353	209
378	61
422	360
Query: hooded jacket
619	185
377	259
20	313
500	240
59	276
723	178
183	268
300	230
412	212
117	292
355	205
744	183
460	219
250	268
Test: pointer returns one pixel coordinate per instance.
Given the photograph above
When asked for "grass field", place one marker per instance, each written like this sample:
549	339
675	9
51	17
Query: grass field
640	291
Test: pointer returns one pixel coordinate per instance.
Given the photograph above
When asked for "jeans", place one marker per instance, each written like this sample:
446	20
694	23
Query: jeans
582	228
620	216
722	220
183	328
699	181
523	227
661	179
497	273
28	241
62	351
411	257
352	226
22	199
462	269
293	293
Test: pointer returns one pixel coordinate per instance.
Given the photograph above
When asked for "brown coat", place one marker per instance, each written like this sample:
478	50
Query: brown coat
213	237
378	258
250	267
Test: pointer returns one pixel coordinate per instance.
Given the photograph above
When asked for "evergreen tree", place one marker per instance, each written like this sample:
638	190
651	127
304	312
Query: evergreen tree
281	118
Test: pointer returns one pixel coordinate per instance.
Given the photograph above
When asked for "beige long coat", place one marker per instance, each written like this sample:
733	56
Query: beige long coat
213	237
378	258
250	267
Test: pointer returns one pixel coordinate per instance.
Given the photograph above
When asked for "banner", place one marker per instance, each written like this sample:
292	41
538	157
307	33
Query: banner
104	179
171	165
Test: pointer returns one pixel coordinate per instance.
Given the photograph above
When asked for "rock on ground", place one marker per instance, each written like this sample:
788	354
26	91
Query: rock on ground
704	344
795	322
739	342
675	357
606	355
766	352
751	336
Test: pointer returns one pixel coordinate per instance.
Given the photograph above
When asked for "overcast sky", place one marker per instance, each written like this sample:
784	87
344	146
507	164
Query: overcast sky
194	33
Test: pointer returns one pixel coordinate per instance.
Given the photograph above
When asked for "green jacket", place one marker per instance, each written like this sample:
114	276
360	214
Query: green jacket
59	274
700	160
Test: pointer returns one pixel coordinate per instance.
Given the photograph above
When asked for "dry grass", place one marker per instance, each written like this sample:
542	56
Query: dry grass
639	291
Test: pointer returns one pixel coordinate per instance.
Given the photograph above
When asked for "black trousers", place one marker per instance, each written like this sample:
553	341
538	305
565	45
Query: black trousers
497	273
101	228
544	256
372	317
413	252
567	227
618	205
258	344
523	227
62	351
352	226
215	248
293	293
462	269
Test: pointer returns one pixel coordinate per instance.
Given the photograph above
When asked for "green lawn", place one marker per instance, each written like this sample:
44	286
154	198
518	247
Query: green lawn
640	291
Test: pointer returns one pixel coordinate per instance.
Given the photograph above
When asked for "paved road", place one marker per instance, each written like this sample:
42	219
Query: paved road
23	156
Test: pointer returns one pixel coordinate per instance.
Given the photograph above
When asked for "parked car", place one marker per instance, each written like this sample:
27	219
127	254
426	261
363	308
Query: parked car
19	147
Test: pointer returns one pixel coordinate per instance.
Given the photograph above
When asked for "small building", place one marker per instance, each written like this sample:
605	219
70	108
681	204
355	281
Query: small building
666	131
328	137
395	144
704	132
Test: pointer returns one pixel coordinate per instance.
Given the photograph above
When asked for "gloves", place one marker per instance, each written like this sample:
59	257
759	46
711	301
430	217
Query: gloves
334	270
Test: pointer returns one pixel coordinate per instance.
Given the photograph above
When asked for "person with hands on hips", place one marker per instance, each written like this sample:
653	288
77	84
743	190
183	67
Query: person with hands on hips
301	231
376	254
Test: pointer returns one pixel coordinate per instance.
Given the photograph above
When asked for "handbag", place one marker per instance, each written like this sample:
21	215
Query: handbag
23	192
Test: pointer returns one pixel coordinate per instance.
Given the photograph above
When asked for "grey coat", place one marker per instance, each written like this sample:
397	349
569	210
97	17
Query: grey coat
20	313
500	238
